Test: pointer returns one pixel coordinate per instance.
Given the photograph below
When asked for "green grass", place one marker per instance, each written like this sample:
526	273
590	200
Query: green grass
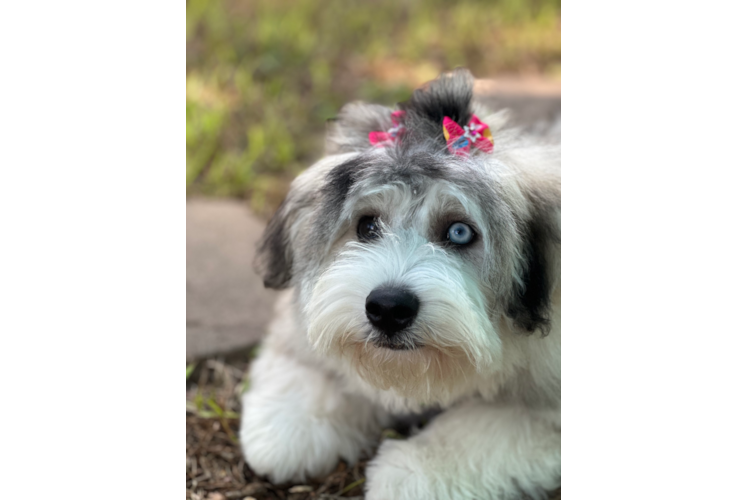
263	76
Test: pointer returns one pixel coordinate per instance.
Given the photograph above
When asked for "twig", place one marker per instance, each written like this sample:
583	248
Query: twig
352	485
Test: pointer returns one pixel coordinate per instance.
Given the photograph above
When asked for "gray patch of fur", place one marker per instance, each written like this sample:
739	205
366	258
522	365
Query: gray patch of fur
349	131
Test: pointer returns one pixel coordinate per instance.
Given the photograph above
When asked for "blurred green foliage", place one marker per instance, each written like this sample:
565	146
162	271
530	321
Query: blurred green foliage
263	76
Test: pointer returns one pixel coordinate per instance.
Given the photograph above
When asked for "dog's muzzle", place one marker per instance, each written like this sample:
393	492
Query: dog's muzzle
391	310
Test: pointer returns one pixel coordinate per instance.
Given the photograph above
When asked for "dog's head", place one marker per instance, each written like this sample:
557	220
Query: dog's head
409	261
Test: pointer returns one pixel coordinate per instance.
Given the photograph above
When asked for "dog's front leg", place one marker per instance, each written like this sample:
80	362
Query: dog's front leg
476	451
296	423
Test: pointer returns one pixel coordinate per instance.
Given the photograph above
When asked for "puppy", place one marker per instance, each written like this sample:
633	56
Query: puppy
421	259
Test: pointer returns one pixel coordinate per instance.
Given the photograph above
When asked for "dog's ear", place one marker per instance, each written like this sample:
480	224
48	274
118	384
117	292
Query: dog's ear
530	304
349	131
274	260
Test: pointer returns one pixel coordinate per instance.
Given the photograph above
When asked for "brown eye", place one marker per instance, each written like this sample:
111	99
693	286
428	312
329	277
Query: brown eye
367	228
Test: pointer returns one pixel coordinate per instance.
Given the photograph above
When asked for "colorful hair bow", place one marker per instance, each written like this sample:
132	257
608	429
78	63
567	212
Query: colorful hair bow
459	140
383	139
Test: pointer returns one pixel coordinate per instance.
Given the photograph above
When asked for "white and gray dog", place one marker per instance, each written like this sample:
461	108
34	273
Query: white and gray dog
417	278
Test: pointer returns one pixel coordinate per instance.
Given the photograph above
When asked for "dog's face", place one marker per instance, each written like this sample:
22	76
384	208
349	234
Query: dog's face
407	260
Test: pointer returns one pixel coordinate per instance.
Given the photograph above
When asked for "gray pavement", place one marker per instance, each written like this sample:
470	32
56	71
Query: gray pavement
227	306
531	100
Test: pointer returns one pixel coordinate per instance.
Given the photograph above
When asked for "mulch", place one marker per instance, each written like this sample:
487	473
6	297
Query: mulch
215	467
217	471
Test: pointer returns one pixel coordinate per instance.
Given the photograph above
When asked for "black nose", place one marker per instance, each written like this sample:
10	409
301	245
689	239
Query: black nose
391	309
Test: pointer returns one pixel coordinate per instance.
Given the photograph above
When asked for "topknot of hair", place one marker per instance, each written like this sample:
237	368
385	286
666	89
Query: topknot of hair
450	95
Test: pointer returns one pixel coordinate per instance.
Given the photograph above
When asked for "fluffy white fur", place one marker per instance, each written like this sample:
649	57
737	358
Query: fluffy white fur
471	451
322	389
452	324
296	422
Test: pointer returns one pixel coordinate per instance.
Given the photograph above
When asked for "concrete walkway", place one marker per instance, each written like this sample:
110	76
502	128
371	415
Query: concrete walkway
227	306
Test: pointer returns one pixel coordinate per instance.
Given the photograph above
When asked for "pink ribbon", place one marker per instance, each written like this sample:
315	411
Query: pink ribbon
475	134
385	139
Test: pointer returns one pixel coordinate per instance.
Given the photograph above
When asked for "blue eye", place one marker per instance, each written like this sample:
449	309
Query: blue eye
460	233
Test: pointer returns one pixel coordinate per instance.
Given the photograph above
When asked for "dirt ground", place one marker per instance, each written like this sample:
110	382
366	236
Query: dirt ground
215	467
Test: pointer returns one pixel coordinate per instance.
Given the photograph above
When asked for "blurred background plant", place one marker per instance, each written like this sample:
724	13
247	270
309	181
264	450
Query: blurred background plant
264	76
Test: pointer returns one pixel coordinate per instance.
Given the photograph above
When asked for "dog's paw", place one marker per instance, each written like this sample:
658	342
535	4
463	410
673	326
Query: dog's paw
295	425
412	470
397	472
295	447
